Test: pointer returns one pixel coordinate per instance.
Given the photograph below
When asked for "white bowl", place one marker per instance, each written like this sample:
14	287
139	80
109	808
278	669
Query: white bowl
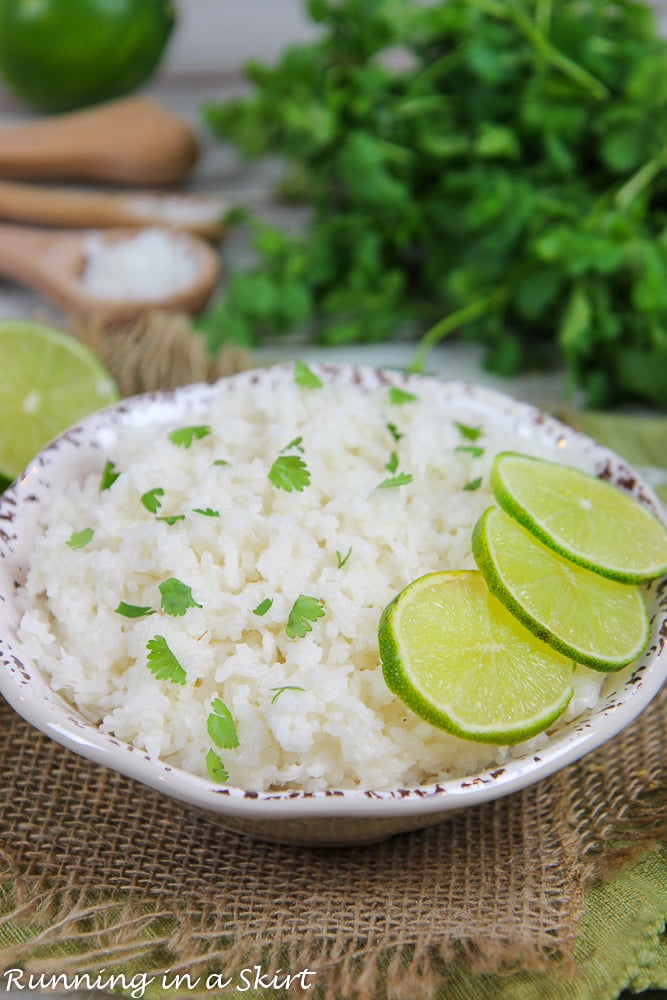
339	816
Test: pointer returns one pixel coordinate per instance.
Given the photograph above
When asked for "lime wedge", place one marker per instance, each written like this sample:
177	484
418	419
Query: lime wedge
454	655
596	621
585	519
49	381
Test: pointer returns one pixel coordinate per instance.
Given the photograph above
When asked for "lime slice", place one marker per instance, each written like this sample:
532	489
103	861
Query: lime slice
49	381
455	656
585	519
596	621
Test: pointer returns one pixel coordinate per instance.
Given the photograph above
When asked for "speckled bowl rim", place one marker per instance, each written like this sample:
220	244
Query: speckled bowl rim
26	689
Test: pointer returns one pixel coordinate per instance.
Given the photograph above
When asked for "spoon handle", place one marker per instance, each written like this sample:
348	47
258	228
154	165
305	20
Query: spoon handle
38	258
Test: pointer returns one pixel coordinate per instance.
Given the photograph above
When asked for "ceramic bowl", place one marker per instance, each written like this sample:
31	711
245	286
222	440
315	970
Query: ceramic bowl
338	816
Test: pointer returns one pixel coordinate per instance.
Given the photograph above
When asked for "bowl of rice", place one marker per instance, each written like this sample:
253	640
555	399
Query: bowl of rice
191	583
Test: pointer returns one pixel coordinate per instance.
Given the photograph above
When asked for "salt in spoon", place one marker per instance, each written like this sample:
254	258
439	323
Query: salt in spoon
55	264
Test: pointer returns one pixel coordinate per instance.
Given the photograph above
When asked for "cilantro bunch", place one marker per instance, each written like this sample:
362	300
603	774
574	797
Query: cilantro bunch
504	179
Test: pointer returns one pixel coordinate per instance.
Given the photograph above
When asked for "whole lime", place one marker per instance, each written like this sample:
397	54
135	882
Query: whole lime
58	55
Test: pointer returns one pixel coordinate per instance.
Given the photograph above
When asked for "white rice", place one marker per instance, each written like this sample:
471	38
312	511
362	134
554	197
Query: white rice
343	727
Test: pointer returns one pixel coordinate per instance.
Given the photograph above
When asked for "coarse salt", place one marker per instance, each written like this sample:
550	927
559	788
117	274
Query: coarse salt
147	267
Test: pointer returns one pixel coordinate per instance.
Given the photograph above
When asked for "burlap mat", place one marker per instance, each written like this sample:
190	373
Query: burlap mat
105	872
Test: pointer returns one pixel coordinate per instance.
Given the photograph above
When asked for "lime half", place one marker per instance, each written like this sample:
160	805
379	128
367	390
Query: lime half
455	656
585	519
49	381
596	621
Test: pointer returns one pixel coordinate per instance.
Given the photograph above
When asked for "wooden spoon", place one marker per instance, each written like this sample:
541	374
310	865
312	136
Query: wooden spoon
49	206
132	141
54	264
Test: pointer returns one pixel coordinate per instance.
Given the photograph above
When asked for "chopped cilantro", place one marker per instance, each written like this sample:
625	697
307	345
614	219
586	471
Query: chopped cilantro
294	443
162	662
78	539
392	464
473	449
304	611
206	511
400	396
220	726
109	476
176	597
221	461
150	499
342	559
285	687
184	436
171	518
216	769
263	607
133	610
470	433
289	472
394	431
474	484
306	378
402	479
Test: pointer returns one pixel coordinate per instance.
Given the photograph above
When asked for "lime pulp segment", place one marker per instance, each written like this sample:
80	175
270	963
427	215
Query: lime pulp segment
461	661
585	519
588	617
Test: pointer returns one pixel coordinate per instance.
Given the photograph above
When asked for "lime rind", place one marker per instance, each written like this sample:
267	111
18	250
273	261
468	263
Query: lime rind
536	669
586	520
571	590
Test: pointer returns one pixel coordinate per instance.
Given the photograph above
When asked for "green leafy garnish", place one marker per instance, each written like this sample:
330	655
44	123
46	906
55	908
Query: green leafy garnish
133	610
150	499
206	511
474	484
162	662
109	476
289	472
342	559
285	687
220	461
176	597
473	449
400	396
402	479
304	611
184	436
170	518
394	431
221	727
468	432
78	539
263	607
392	464
306	378
215	768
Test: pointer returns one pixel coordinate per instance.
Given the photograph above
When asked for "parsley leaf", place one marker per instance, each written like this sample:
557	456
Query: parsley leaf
176	597
78	539
216	769
470	433
474	484
162	662
473	449
402	479
109	476
285	687
400	396
342	559
133	610
171	518
263	607
289	472
150	499
184	436
306	378
304	611
220	726
206	511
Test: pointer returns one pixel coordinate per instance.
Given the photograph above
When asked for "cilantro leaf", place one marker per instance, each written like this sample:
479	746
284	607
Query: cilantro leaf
263	607
470	433
215	768
394	431
133	610
78	539
170	518
184	436
206	511
220	461
400	396
109	476
294	443
285	687
306	378
304	611
220	726
176	597
342	559
392	464
402	479
150	499
473	449
289	472
474	484
162	663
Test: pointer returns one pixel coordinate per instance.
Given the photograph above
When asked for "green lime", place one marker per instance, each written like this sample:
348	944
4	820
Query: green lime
585	519
588	617
455	656
49	381
63	54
